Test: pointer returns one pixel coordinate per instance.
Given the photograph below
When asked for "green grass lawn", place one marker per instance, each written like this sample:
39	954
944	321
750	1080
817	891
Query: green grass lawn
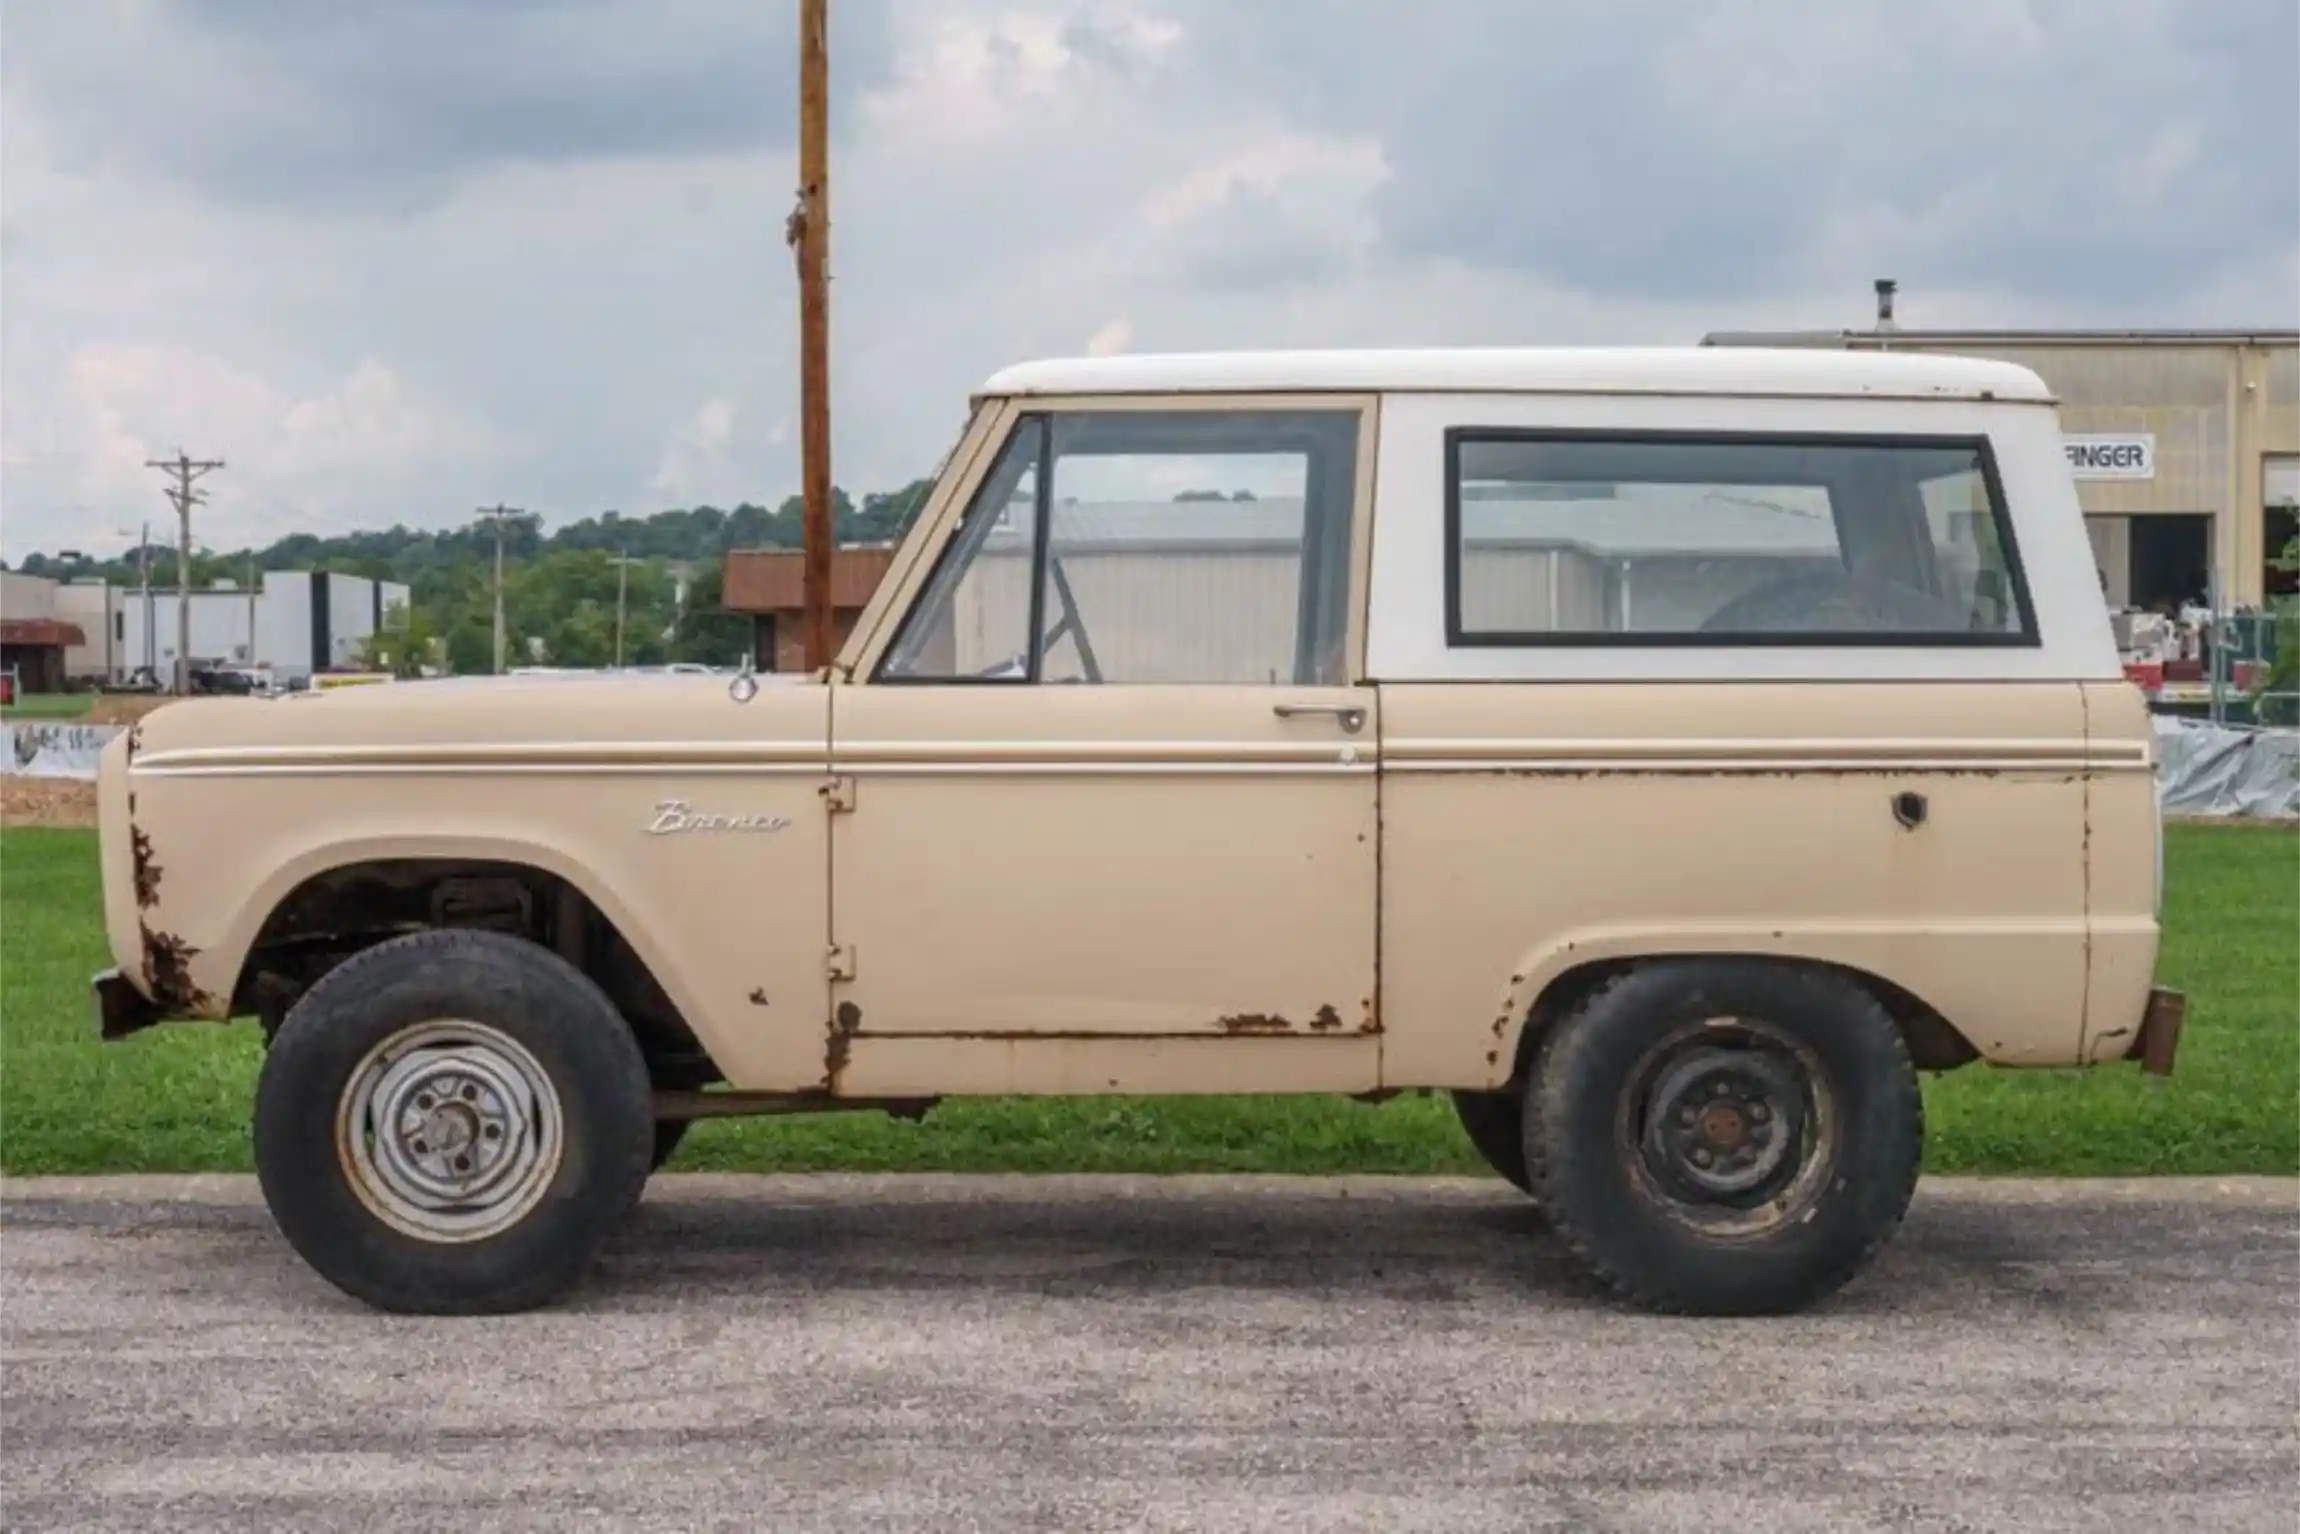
50	705
176	1098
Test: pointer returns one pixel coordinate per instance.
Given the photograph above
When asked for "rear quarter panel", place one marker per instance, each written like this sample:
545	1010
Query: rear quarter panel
1532	829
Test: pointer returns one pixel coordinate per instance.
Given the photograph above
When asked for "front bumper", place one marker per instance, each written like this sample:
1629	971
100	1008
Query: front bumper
2159	1036
121	1009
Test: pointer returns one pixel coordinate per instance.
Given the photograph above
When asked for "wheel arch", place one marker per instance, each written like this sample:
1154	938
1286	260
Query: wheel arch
337	902
1934	1043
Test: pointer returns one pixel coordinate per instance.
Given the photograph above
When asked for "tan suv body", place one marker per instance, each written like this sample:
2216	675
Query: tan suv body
1329	722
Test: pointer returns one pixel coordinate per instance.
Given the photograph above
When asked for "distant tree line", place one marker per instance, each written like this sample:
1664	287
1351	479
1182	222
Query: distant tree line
558	587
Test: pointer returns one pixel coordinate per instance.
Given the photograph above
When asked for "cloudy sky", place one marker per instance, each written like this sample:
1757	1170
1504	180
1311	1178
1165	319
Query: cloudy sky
396	258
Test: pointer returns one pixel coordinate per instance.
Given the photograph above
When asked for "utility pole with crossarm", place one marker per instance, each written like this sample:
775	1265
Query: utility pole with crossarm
498	514
186	471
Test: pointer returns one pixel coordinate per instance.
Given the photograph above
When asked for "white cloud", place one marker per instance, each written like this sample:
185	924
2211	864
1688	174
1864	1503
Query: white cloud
433	256
293	461
699	464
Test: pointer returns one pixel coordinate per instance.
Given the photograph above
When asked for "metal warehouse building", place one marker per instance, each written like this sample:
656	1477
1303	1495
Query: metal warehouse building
2185	445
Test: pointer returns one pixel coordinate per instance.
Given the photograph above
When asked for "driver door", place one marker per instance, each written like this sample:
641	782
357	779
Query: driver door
1109	780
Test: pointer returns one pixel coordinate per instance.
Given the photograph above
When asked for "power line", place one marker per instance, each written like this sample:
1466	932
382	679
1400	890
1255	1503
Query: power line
186	472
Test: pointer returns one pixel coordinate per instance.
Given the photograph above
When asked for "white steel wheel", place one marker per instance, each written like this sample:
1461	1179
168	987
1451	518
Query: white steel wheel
450	1131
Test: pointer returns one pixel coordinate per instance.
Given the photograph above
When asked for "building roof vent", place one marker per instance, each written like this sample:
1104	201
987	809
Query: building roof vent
1886	288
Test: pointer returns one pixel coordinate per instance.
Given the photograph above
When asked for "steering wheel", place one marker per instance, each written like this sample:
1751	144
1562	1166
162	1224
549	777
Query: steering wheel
1835	603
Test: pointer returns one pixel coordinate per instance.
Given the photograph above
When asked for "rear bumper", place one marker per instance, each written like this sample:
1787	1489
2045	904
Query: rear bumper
2159	1035
121	1009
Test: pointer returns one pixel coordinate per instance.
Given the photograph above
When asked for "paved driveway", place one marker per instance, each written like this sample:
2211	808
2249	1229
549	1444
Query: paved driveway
845	1354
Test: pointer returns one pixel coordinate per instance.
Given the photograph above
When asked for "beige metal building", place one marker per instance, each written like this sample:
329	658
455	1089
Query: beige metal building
2185	444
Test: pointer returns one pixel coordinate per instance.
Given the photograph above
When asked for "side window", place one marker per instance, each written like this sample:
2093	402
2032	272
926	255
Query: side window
1149	546
1647	538
972	622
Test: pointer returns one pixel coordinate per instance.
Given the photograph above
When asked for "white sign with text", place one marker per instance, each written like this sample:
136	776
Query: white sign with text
2111	455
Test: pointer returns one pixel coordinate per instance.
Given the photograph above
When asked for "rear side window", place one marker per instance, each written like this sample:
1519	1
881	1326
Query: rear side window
1648	538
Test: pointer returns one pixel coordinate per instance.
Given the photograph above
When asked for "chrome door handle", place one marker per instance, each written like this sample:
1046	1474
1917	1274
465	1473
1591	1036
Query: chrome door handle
1351	715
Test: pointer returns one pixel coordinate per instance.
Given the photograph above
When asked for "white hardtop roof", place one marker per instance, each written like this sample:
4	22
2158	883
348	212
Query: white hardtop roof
1535	370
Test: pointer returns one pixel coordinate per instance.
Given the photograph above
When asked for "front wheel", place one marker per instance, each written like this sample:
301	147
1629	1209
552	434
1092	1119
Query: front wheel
451	1123
1725	1137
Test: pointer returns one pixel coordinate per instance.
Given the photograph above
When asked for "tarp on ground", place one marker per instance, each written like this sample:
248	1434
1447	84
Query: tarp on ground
53	750
2227	769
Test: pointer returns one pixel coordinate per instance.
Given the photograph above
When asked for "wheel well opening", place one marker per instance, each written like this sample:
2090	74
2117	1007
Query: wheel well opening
335	914
1934	1042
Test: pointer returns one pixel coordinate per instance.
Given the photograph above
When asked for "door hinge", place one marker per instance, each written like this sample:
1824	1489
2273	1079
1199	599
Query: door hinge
839	796
839	961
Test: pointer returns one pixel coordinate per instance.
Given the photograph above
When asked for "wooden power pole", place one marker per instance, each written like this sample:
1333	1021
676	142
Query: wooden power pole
185	471
809	232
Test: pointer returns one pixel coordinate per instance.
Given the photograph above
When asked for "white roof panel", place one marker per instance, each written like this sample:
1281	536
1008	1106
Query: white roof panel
1544	370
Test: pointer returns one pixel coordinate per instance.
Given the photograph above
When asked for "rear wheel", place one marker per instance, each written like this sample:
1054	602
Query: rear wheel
1495	1124
1724	1137
452	1123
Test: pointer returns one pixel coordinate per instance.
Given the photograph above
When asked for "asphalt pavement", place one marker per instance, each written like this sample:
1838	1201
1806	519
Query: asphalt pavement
1076	1354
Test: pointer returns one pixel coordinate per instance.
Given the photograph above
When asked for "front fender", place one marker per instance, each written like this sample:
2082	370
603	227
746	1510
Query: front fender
732	925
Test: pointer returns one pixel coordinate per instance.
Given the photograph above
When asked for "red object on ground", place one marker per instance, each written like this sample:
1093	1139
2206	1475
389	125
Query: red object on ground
2148	675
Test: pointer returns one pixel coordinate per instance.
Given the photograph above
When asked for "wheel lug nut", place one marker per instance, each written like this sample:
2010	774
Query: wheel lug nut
1702	1158
1759	1113
1685	1115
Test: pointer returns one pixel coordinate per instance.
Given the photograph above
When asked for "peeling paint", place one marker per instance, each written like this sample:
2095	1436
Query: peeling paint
846	1022
758	997
1325	1019
146	868
1254	1022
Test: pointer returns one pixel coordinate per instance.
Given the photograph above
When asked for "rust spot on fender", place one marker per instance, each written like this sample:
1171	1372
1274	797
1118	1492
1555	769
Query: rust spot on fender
1253	1022
1325	1019
135	743
758	997
1369	1017
146	868
168	974
846	1022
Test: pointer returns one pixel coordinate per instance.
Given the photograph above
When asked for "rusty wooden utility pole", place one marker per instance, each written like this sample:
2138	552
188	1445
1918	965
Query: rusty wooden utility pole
810	233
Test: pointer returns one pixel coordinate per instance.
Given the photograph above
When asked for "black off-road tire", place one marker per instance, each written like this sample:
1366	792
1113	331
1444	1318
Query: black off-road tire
668	1134
1628	1237
1495	1124
530	995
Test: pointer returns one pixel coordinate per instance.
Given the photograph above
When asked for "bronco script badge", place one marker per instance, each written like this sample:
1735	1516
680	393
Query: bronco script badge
673	815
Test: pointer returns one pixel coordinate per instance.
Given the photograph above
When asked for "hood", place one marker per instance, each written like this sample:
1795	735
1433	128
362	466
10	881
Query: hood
621	708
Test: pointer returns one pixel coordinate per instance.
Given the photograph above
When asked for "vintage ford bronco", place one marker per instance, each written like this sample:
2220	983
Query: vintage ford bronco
1668	754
